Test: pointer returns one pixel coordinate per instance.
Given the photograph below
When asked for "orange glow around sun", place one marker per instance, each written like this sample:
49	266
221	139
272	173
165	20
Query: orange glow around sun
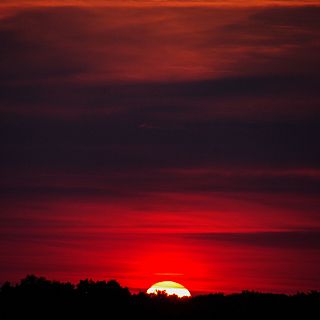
169	287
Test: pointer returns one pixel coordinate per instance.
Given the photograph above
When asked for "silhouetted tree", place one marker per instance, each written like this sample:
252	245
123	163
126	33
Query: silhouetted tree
38	298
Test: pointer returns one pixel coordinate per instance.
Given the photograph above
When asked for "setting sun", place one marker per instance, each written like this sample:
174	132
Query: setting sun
169	287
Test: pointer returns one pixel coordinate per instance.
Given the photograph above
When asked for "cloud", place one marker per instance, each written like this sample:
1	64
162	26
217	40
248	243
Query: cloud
237	97
137	101
298	240
160	66
152	44
146	122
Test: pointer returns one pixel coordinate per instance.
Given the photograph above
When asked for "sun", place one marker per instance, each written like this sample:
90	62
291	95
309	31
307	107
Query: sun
171	288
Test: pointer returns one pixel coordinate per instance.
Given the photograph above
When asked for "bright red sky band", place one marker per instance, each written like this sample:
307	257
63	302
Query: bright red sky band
161	140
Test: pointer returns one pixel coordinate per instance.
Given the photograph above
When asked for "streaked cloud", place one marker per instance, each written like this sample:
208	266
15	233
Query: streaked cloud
154	138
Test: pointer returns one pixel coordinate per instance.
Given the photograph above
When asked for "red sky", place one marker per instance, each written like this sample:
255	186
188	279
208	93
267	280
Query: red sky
161	140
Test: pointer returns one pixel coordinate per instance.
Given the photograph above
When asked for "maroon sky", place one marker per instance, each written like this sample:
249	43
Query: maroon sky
161	141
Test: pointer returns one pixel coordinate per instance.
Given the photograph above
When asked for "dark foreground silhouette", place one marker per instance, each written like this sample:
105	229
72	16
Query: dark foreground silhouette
38	298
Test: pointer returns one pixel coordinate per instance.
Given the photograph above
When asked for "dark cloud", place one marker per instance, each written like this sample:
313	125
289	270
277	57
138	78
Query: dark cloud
70	101
59	44
293	239
48	69
132	137
35	48
276	26
58	141
304	17
77	98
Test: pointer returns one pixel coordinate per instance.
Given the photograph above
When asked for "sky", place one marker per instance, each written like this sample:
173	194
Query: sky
146	141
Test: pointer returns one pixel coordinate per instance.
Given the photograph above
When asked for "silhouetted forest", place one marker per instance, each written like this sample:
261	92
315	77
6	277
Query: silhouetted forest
38	298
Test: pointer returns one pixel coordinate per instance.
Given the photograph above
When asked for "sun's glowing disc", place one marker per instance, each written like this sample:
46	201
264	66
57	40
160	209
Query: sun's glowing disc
170	288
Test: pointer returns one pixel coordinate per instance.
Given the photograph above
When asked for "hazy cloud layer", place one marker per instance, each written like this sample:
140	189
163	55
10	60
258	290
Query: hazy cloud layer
161	119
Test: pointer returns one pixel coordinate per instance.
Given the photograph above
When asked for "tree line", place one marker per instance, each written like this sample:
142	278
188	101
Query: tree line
39	298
